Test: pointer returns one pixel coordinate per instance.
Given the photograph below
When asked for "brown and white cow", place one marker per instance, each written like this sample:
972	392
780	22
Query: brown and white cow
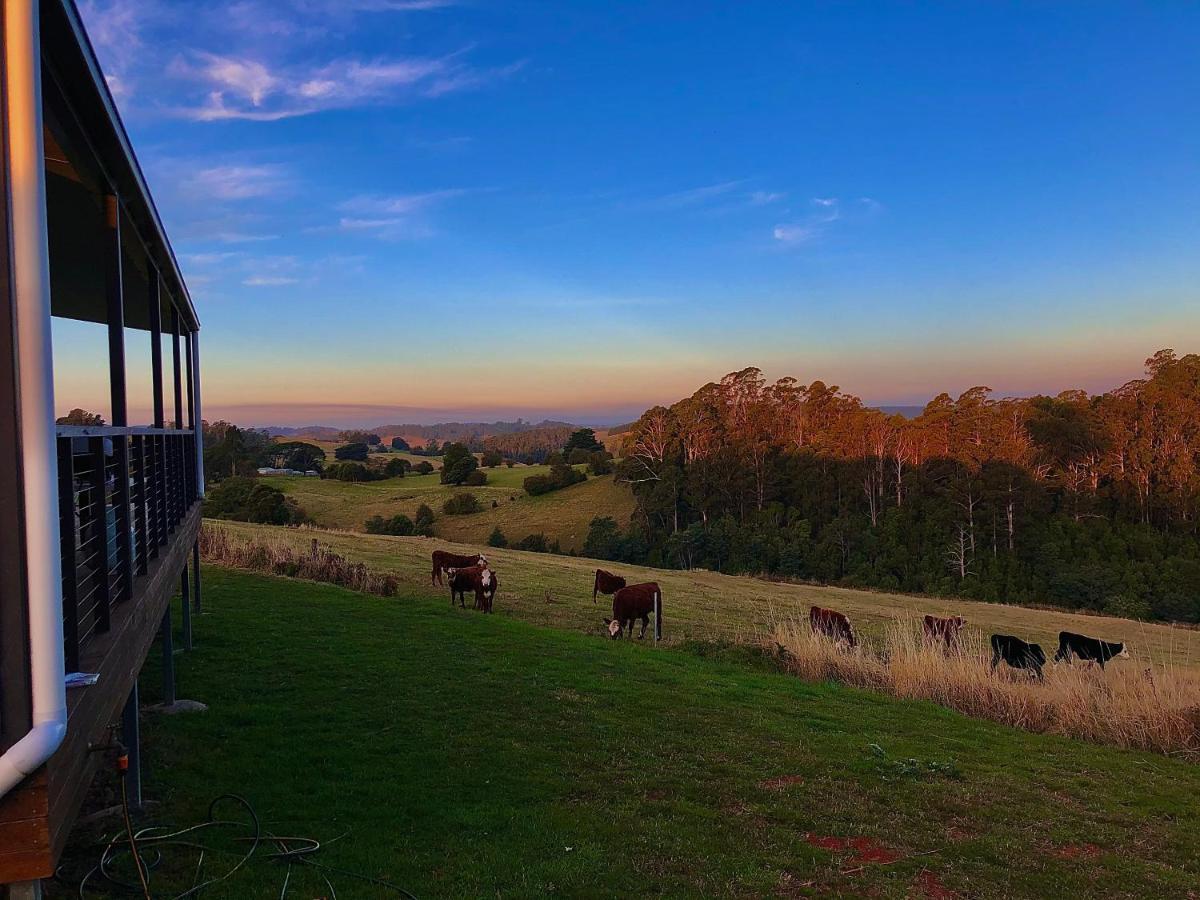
832	624
944	629
444	559
637	601
480	580
606	583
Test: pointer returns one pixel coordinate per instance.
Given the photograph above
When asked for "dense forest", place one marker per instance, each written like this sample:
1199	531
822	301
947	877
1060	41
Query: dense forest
532	446
1085	502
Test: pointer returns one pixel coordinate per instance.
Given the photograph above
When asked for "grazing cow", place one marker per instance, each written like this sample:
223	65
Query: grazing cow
635	602
483	600
1087	649
444	559
1017	654
944	629
606	583
832	624
478	579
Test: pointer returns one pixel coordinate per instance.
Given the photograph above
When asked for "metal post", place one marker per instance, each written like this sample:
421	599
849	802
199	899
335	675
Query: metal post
131	738
657	620
196	577
168	659
186	607
156	362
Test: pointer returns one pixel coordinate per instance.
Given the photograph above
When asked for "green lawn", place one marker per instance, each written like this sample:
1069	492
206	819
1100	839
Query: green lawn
473	755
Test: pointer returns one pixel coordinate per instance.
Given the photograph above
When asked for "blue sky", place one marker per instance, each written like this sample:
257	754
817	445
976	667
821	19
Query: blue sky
580	209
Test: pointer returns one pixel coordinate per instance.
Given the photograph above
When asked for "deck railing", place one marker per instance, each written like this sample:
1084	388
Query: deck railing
122	494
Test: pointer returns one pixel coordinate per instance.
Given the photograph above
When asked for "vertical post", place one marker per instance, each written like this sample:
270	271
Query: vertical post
196	576
156	372
657	619
175	363
115	295
168	658
186	608
142	520
70	574
132	739
197	414
98	517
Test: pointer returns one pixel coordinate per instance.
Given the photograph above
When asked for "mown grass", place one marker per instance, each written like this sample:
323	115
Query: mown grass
707	605
472	755
562	516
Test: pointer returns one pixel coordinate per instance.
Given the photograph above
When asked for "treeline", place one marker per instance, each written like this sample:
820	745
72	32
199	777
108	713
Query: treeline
532	446
1084	502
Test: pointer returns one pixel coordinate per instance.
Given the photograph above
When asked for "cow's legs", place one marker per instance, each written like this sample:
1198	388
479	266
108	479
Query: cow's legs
645	625
995	659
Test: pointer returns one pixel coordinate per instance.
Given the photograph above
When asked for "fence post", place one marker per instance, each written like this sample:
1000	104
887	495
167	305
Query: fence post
657	620
131	738
196	576
186	608
168	659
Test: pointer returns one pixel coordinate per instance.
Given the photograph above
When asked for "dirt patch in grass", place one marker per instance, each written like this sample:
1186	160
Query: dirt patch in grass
781	782
865	851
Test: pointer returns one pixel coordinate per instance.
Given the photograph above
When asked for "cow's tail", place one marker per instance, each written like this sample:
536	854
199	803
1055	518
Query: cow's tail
596	586
657	614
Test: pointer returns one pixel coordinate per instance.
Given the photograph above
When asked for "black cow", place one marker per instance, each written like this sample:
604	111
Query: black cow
1017	653
1087	649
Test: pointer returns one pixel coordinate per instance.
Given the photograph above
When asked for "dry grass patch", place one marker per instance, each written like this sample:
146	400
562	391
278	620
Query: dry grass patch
1153	706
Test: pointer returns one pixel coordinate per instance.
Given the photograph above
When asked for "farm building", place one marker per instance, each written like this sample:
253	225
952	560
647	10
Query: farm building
99	522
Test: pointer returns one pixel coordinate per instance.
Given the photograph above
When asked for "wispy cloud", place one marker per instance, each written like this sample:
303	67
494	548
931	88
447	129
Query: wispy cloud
237	182
766	198
690	197
396	216
270	281
250	89
822	212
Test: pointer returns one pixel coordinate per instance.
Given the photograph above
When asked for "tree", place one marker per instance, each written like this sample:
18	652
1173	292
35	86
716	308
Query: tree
457	464
461	504
497	538
424	516
356	451
476	479
81	417
602	538
424	467
359	437
582	439
251	500
397	468
492	458
352	471
399	443
561	476
298	455
400	525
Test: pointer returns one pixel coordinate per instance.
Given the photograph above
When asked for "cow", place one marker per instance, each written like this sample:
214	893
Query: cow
483	600
606	583
1017	653
832	624
636	601
479	579
444	559
944	629
1087	649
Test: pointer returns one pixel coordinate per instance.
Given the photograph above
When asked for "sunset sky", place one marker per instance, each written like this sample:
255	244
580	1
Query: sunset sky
421	210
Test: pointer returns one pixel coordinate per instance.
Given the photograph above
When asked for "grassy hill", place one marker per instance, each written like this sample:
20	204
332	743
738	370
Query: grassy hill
467	755
708	605
561	515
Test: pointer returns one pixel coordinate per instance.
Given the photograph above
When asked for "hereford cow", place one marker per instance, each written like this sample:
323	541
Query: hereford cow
483	600
606	583
1087	649
637	601
831	624
479	579
944	629
1017	653
444	559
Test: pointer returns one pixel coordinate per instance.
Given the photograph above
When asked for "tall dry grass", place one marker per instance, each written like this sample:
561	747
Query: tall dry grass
316	563
1129	704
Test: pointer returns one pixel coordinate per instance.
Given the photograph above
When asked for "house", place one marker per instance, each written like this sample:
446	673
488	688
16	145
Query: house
98	524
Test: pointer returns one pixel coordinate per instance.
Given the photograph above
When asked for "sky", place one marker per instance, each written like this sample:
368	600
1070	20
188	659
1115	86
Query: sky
423	210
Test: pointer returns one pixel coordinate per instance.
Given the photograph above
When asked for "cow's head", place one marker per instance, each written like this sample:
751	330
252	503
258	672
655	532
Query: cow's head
485	578
1037	654
959	621
1123	652
482	560
614	628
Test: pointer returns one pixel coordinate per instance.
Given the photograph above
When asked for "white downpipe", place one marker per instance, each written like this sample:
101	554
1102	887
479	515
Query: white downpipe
197	418
35	399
